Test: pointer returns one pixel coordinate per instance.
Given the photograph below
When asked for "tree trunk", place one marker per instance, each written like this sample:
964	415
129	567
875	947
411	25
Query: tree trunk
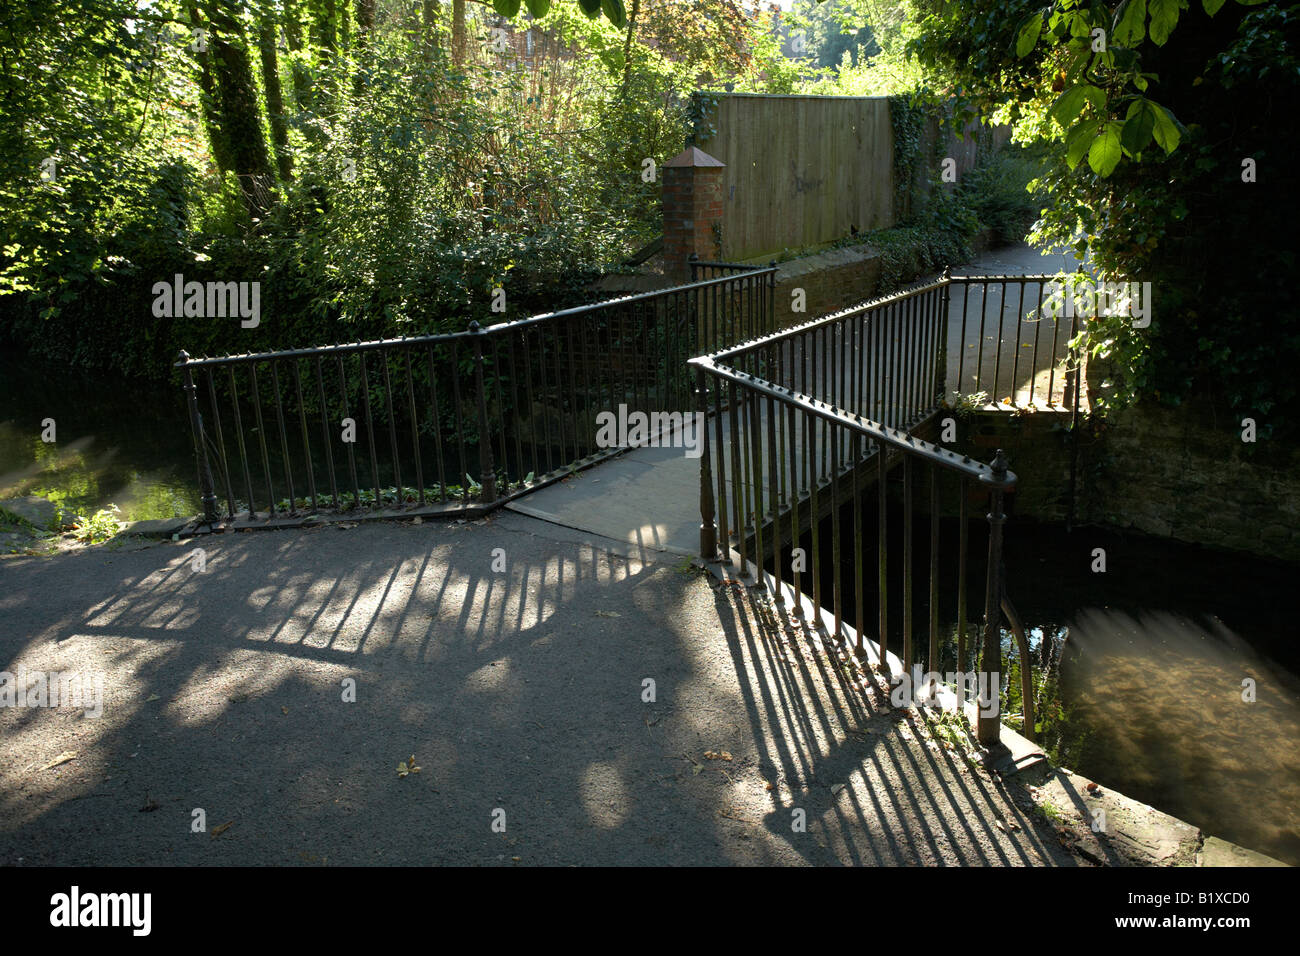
365	13
458	33
275	98
231	109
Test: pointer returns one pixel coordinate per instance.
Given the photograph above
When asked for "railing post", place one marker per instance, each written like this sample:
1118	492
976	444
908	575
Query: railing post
208	496
988	720
694	261
771	296
487	467
708	530
942	376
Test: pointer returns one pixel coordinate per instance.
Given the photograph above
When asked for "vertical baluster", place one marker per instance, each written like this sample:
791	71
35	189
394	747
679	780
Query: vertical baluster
908	650
933	663
988	722
306	443
400	498
836	563
814	514
437	425
1015	361
370	428
962	541
737	478
239	437
221	443
979	358
325	432
284	438
756	449
961	344
997	358
708	529
352	454
261	438
497	422
532	398
1056	330
855	451
515	423
882	551
487	467
724	532
1038	327
792	420
415	429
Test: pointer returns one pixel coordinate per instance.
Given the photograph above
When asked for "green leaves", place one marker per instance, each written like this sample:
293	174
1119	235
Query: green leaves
590	7
1164	17
1212	6
538	8
1138	126
1028	35
614	12
1130	23
507	8
1067	106
1166	129
1105	151
1077	143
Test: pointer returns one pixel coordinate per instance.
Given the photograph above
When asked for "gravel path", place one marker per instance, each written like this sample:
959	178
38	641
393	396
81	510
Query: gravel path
518	692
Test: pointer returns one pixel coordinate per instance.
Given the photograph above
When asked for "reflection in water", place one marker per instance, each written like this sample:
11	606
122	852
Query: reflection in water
118	443
1160	694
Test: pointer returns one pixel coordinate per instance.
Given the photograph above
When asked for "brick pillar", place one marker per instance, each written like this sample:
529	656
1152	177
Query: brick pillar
692	200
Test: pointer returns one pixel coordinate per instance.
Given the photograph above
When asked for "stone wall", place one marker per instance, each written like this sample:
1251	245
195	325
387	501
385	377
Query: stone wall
1185	473
1181	473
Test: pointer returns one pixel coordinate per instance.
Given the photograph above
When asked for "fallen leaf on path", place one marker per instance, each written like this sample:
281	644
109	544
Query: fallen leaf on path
697	768
717	755
835	790
151	698
607	614
408	767
285	711
61	759
217	831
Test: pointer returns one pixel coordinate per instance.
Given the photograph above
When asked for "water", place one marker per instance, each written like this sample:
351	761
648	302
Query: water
118	442
1152	666
1152	676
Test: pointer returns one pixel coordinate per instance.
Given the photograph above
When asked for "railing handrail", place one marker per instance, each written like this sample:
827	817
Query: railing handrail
894	437
833	317
469	334
1040	277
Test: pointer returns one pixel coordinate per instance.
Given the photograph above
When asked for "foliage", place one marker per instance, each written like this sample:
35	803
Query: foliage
101	526
1167	104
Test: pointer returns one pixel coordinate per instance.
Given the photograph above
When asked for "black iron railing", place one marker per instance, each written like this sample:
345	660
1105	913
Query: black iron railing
449	420
1016	348
818	421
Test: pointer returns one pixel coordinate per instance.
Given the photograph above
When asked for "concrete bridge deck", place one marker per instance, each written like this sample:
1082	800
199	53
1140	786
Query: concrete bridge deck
649	497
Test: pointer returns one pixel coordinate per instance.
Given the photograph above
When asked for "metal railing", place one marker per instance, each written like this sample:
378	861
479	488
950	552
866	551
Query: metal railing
445	420
821	415
1013	349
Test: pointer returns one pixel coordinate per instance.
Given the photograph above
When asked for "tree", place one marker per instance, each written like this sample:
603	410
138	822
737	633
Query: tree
1168	127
